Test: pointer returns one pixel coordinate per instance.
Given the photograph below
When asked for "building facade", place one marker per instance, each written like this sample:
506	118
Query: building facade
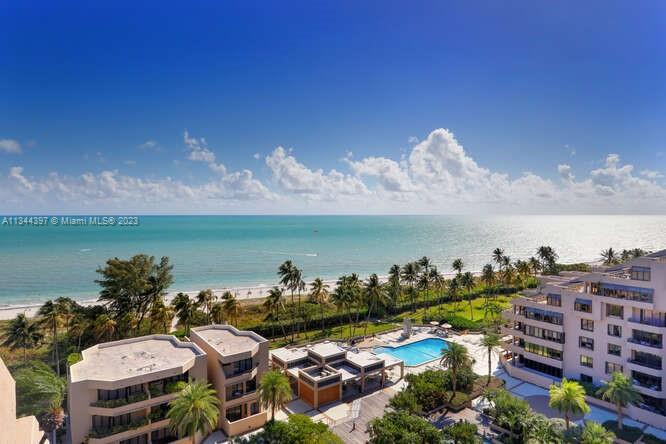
585	326
24	430
119	392
236	362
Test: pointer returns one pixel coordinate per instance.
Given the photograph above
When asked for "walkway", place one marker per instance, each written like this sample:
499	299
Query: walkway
371	407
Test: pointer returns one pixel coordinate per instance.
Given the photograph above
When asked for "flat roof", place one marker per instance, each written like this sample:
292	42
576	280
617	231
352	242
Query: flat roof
118	360
326	349
287	355
363	358
227	340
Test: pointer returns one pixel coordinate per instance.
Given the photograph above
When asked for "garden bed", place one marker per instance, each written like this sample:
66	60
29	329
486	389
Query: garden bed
628	433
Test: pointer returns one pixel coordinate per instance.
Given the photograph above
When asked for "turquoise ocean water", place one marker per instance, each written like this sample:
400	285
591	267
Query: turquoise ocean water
37	263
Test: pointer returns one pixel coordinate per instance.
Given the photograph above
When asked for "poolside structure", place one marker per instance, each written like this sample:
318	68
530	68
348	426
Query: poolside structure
586	326
319	373
236	362
15	430
119	392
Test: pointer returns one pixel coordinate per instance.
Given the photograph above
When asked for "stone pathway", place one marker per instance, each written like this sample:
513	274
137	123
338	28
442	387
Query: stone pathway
371	406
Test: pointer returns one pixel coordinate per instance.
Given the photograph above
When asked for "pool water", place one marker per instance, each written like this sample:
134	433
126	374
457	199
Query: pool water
418	352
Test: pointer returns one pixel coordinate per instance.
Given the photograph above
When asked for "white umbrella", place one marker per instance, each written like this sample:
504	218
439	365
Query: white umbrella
434	323
446	325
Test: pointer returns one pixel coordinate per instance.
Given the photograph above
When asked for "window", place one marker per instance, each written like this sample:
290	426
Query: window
235	413
614	349
586	361
542	333
646	338
587	324
614	330
640	273
615	311
647	381
585	378
587	343
583	305
254	408
554	299
540	350
612	367
541	315
646	359
622	292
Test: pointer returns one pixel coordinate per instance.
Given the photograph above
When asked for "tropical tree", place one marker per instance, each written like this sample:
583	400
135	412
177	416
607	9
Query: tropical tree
467	282
232	309
458	265
595	433
455	357
319	295
274	391
217	313
53	388
610	256
288	272
22	333
403	428
523	269
185	309
535	265
105	327
78	326
454	288
488	278
375	295
462	432
621	392
426	264
490	341
343	298
548	258
537	429
205	299
161	316
409	275
568	398
394	287
498	254
50	316
196	409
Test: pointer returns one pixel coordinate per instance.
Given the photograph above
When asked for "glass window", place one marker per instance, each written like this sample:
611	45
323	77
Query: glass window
615	311
235	413
612	367
646	338
254	408
585	378
586	361
614	330
583	305
622	292
587	324
640	273
614	349
587	343
554	299
540	350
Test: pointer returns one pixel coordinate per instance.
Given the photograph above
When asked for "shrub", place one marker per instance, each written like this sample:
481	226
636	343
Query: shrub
459	400
401	427
627	433
465	379
405	401
462	433
651	439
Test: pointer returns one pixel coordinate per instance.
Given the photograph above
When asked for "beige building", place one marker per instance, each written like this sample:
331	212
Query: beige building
14	430
119	392
236	362
322	373
585	326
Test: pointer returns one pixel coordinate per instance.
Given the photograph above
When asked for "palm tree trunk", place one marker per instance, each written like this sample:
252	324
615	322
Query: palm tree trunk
619	417
367	318
293	321
55	347
566	420
490	350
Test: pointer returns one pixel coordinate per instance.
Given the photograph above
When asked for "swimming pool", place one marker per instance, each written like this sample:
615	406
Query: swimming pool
418	352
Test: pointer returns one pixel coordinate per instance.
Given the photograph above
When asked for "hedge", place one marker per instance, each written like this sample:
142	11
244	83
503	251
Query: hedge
651	439
628	433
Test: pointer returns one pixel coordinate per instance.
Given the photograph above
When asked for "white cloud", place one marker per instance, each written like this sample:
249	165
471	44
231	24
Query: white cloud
256	156
198	148
10	146
565	172
389	173
651	174
150	145
294	177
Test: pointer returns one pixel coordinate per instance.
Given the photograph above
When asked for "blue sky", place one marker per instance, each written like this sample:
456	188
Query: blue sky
97	101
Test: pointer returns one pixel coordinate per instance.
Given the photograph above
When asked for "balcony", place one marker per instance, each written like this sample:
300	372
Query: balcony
645	343
654	365
653	322
103	432
113	403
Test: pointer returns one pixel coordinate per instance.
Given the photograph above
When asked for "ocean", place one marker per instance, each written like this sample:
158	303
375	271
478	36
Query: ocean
41	262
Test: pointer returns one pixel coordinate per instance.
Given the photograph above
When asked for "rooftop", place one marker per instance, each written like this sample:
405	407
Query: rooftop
118	360
326	349
363	358
227	340
287	355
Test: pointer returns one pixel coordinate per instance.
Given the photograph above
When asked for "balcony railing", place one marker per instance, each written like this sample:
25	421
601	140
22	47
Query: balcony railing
103	432
654	386
113	403
656	365
234	373
655	322
646	343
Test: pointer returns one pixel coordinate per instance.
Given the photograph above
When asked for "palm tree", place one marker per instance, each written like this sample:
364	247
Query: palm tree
610	257
467	282
394	287
217	313
161	317
205	299
425	264
498	254
568	398
548	258
437	280
344	298
535	266
458	265
523	269
595	433
196	409
21	333
488	278
105	327
455	357
50	317
273	303
54	388
274	391
287	272
454	288
375	295
621	392
490	341
409	275
319	295
78	326
185	310
233	309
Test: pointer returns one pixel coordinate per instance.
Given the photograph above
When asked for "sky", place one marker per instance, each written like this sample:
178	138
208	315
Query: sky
424	107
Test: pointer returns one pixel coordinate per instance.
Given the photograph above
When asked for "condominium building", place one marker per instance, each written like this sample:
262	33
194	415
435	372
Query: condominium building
585	326
119	392
24	430
236	362
320	373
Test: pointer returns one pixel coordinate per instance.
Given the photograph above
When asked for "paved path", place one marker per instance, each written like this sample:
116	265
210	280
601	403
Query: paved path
371	407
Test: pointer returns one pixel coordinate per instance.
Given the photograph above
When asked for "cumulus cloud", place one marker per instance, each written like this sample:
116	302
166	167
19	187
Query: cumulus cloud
198	149
565	172
651	174
389	173
150	145
294	177
10	146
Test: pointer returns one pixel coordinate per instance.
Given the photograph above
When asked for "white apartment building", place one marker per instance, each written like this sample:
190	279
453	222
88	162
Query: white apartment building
585	326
